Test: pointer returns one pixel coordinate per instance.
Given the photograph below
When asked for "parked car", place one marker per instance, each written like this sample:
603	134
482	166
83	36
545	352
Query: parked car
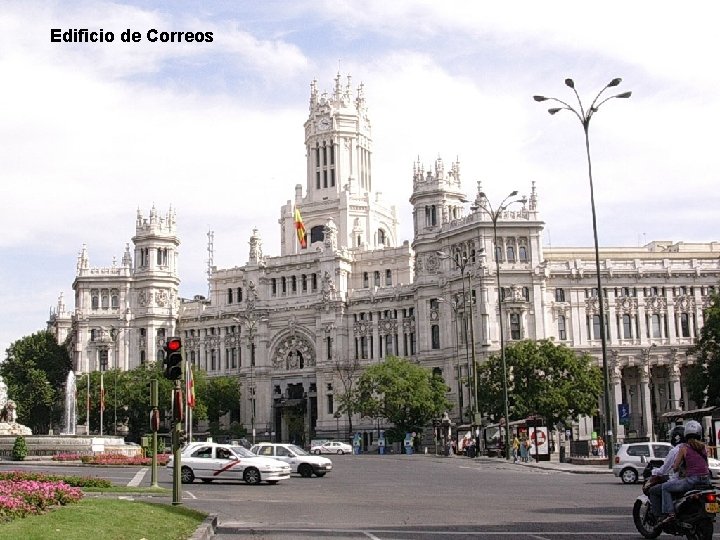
631	458
331	447
213	461
300	461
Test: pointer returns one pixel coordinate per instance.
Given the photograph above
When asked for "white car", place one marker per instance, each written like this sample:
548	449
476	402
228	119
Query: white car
213	461
299	460
332	447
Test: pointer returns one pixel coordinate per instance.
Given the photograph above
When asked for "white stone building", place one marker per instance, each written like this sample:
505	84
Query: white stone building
283	323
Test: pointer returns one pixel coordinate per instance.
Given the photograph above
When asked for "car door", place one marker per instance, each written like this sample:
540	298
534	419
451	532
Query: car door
226	465
284	454
202	461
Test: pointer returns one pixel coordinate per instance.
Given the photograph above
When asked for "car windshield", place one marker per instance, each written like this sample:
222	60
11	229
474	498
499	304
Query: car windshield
296	449
243	452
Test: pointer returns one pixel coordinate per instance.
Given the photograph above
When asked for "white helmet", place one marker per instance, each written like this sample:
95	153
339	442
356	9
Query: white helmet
693	430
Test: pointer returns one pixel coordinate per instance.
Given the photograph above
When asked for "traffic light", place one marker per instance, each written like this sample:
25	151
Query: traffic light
173	358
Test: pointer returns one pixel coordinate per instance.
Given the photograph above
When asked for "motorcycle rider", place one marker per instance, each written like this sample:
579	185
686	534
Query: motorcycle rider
655	492
694	454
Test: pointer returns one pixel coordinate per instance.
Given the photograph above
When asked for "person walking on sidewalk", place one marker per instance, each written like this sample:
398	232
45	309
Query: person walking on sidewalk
515	448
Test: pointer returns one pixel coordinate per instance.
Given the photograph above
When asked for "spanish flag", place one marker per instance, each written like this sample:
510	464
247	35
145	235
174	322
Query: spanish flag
190	389
300	229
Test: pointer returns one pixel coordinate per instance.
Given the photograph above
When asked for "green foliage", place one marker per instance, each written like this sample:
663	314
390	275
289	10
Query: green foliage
543	378
703	379
402	392
35	370
222	395
19	451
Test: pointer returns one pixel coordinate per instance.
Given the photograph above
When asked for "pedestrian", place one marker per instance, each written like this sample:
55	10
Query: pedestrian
515	448
601	447
524	450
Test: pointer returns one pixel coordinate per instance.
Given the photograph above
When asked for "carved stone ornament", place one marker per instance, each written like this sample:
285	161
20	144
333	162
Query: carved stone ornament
145	297
362	328
656	304
388	326
432	263
684	304
626	304
592	305
294	352
162	298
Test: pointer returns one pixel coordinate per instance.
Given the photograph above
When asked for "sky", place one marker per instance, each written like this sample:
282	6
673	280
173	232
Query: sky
92	132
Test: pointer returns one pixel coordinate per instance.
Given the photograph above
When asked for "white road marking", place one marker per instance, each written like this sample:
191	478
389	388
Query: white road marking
135	482
194	497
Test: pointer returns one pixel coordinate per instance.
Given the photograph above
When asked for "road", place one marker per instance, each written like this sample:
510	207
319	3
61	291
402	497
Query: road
412	497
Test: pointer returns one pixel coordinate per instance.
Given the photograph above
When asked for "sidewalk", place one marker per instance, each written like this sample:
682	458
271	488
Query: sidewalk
553	465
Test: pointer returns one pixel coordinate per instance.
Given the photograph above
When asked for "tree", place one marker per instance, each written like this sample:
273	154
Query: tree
703	378
348	371
402	392
544	379
35	371
221	396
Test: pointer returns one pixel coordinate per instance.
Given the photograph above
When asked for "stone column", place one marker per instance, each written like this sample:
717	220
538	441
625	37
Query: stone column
645	374
674	378
616	392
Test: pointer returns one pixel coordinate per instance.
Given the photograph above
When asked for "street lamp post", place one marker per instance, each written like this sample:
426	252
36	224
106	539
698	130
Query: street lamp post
494	216
461	261
454	304
584	116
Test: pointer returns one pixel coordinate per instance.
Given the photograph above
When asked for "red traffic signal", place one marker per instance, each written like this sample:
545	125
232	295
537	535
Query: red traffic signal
173	358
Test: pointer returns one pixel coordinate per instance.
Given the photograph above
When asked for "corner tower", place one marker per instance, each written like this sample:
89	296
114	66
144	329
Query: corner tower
339	182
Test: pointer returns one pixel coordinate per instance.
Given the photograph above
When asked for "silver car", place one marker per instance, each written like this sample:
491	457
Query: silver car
631	459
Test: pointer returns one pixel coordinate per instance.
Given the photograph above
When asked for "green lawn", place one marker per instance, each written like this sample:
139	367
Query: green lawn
108	519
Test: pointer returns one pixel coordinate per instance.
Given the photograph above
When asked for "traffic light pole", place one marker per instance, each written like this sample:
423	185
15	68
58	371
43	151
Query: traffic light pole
176	432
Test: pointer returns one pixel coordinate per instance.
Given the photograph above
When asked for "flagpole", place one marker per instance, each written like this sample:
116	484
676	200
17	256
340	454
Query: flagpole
87	405
102	401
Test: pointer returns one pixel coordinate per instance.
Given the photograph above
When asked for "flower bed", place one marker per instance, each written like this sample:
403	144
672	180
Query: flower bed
67	457
120	459
19	498
73	481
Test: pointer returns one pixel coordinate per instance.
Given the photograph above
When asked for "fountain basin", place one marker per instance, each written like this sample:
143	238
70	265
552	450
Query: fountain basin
49	445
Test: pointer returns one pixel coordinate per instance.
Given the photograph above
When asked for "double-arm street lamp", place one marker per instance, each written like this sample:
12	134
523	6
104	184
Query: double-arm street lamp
584	116
495	214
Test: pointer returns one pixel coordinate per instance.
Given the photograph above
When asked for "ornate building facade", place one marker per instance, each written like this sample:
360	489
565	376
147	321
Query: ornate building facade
291	326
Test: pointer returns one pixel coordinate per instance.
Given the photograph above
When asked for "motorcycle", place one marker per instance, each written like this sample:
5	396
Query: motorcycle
694	511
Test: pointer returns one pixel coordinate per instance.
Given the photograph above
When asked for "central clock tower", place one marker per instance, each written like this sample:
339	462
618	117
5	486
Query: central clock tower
339	183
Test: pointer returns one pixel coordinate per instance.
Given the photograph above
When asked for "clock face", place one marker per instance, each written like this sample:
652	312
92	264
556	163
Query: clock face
324	123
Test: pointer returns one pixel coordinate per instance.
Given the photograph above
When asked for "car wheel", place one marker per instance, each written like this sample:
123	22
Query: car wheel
251	476
320	474
305	470
317	452
340	452
628	475
186	475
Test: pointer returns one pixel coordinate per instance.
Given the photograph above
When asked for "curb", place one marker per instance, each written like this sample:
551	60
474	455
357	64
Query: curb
206	529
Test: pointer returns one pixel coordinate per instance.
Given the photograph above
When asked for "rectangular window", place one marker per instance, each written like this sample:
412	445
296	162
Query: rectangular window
435	336
366	280
515	331
230	296
304	283
376	276
273	286
684	325
293	284
559	295
388	277
330	404
314	282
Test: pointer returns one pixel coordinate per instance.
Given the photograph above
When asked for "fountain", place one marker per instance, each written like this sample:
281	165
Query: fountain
70	405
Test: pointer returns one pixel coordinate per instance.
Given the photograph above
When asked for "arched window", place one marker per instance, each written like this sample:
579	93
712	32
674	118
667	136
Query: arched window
627	326
381	237
435	336
656	328
94	300
522	253
511	254
317	234
515	330
562	330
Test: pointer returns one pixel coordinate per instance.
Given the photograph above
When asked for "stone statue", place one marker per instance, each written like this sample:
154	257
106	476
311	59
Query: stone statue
8	415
